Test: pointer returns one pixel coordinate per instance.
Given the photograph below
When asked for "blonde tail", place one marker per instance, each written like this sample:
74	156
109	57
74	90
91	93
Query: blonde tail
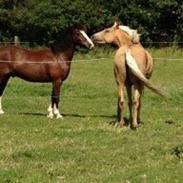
130	61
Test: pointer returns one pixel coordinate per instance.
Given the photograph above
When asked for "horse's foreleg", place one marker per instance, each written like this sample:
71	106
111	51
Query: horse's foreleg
56	109
136	106
3	83
53	108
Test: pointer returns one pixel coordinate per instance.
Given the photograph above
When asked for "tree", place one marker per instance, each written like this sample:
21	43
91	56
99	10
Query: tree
40	20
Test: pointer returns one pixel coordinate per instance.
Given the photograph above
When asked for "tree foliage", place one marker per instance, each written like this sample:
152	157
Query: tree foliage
39	20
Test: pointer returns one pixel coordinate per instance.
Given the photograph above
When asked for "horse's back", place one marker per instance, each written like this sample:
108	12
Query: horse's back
15	53
20	62
40	54
5	52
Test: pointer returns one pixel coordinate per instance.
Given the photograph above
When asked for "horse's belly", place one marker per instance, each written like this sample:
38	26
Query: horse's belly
43	73
35	78
36	74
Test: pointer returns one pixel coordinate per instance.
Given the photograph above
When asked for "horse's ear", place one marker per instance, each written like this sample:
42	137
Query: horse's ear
116	25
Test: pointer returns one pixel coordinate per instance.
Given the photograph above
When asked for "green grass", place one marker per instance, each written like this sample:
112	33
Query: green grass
85	147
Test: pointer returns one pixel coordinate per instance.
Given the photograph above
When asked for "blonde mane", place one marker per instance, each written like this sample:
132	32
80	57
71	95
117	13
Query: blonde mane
131	32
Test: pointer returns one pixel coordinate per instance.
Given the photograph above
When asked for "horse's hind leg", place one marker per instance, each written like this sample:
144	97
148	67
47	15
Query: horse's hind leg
120	105
129	93
3	83
139	107
136	105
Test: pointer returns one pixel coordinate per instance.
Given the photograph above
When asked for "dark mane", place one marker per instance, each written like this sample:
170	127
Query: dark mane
62	41
78	26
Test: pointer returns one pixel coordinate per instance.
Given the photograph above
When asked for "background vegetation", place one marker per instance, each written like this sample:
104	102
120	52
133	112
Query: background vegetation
85	146
39	20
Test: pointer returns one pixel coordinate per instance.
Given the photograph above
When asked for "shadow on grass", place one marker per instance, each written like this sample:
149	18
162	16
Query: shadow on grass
69	115
89	115
115	122
32	113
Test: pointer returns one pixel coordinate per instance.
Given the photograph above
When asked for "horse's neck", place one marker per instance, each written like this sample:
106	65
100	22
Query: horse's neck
66	55
64	50
123	39
63	47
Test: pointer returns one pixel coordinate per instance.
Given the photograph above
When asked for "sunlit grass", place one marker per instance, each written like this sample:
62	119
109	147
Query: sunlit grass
85	147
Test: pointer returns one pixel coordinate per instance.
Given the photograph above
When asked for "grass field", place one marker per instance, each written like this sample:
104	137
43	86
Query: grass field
84	147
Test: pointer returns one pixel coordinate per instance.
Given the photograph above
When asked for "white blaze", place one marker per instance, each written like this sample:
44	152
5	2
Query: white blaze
87	38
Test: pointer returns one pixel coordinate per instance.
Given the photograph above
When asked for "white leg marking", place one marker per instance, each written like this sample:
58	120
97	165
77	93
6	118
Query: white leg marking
1	110
87	38
57	113
50	108
50	112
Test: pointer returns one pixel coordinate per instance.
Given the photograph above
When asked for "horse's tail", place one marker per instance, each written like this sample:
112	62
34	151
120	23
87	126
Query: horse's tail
131	63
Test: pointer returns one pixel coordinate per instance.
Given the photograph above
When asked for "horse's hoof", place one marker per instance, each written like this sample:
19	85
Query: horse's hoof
120	124
135	126
50	116
59	116
1	112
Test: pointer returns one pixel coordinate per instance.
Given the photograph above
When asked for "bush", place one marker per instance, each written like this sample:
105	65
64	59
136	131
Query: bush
39	21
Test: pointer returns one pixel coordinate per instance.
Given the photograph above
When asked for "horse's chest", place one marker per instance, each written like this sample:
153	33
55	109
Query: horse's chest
60	72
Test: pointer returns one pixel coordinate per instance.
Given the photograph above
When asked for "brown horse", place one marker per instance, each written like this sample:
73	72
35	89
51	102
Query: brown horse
133	67
45	65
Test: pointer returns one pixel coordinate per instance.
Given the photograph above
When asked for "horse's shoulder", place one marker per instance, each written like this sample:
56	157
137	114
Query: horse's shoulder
120	57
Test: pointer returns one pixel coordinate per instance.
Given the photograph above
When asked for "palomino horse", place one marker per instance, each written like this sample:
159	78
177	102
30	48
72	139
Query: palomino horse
133	67
45	65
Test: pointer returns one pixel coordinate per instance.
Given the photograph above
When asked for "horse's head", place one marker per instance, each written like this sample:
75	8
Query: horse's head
117	34
80	37
106	35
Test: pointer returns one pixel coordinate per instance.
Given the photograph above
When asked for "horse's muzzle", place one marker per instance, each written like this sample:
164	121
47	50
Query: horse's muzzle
91	46
96	39
93	37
